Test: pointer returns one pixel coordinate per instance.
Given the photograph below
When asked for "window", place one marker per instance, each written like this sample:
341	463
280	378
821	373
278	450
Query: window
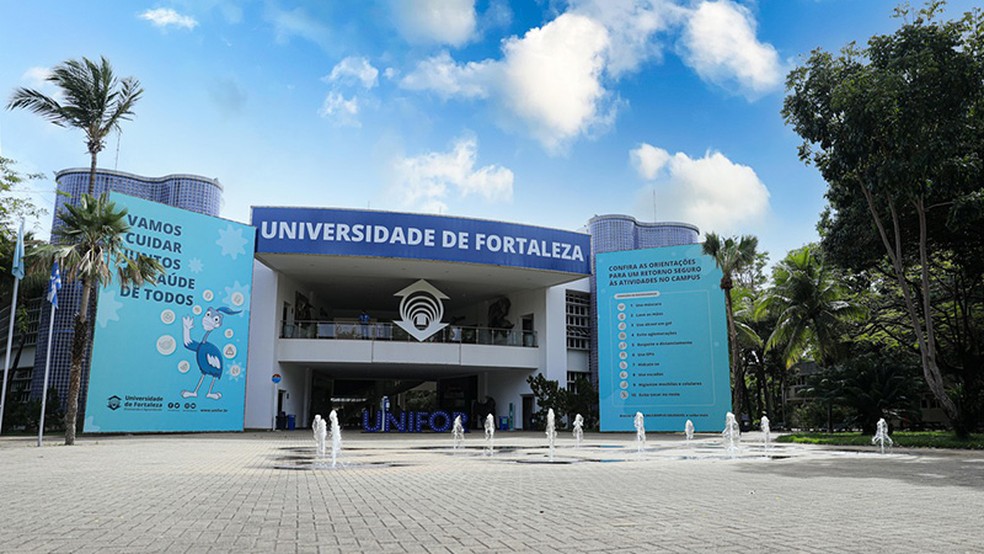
572	377
578	320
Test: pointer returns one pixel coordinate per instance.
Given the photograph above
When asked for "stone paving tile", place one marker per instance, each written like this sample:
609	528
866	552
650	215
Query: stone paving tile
267	492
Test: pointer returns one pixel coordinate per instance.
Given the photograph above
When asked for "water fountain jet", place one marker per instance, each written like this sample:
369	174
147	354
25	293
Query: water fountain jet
881	435
766	432
457	433
320	429
578	430
640	427
551	432
731	434
688	430
490	435
336	438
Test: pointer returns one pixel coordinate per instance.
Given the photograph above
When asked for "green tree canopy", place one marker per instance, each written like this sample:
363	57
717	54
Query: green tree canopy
812	307
13	208
896	130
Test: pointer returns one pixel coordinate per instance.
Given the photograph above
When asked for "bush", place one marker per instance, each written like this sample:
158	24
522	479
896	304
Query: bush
812	416
26	415
565	404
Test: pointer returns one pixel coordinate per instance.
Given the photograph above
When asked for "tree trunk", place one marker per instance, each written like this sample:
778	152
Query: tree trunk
92	171
782	398
931	370
79	343
763	392
927	354
738	388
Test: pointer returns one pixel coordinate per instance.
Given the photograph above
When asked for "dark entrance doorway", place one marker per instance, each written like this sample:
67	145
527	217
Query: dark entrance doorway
527	412
321	391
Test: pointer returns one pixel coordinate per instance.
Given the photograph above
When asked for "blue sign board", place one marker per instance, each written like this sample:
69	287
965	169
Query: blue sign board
662	340
172	357
426	237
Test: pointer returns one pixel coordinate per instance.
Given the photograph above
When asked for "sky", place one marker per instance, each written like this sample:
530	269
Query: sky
542	112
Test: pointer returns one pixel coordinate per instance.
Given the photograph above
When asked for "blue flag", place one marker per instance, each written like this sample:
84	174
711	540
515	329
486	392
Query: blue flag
17	268
54	284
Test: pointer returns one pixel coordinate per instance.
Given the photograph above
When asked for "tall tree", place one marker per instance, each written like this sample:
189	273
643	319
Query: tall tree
897	131
89	246
750	345
12	210
732	255
95	100
811	307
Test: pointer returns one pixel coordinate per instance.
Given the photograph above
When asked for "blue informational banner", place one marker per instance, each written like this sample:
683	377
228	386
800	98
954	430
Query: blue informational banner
172	357
427	237
662	340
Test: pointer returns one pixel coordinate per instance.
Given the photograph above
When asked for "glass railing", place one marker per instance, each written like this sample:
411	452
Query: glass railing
352	330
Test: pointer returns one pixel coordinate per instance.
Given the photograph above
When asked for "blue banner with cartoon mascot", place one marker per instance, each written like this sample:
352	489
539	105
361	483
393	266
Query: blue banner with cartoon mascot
172	356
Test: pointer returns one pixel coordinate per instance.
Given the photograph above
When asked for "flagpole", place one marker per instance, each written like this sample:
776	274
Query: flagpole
47	365
10	340
17	269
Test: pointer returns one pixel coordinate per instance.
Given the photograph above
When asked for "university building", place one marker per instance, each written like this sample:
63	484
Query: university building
372	312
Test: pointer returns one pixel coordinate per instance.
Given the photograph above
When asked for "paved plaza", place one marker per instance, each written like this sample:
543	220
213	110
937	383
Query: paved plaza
269	492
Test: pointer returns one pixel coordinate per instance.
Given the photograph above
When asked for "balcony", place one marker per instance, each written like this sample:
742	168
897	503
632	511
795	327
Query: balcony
389	348
353	330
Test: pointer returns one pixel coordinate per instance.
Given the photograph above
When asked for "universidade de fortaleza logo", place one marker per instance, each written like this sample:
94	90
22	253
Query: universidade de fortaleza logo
422	310
113	402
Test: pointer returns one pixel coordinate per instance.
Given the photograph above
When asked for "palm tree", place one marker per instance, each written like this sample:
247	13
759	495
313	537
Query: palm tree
812	307
95	100
751	347
89	247
732	255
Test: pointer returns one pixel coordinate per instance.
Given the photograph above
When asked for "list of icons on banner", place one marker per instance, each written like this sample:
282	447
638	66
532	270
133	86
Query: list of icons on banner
622	354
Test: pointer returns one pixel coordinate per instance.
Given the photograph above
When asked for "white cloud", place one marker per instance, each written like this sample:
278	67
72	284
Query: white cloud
553	78
550	78
37	77
497	15
450	22
711	192
719	43
558	80
354	70
648	160
441	75
341	111
632	26
166	17
424	182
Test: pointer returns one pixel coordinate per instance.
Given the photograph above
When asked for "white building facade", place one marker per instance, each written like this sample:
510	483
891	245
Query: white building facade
402	321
